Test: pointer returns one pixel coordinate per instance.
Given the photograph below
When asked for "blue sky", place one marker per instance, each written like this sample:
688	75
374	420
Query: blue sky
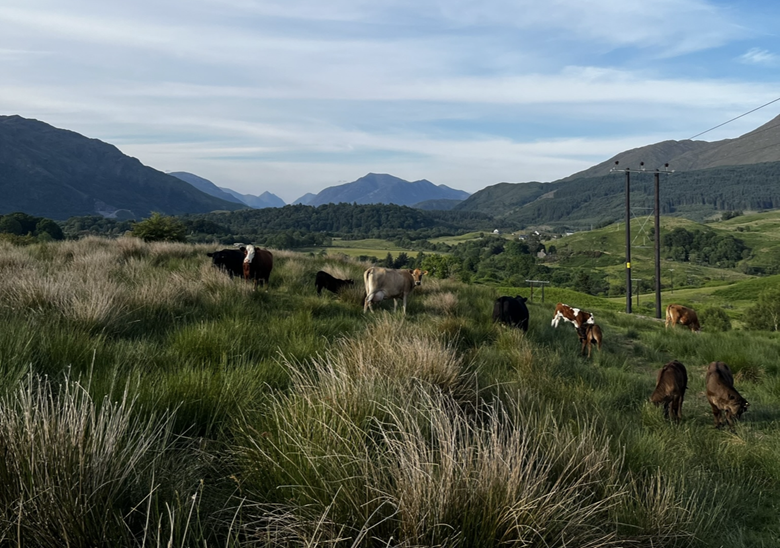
292	96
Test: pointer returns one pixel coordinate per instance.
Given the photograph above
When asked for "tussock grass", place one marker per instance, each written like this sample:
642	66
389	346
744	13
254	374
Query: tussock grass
70	464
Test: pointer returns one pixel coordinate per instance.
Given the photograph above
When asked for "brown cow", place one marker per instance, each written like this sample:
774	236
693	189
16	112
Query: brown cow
569	314
677	313
257	265
589	334
388	283
670	388
723	398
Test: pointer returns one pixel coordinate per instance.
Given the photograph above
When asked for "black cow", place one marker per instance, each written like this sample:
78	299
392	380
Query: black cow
229	260
511	311
326	281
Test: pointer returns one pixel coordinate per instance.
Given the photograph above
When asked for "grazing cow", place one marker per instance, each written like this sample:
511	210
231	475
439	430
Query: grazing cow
388	283
257	264
326	281
677	313
511	311
725	401
670	388
229	260
574	315
589	334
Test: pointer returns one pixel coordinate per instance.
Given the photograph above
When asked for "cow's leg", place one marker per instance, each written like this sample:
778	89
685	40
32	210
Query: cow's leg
666	409
404	304
677	408
367	303
716	414
590	347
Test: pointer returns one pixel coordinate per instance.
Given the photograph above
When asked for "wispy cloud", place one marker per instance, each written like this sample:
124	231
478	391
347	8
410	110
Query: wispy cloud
757	56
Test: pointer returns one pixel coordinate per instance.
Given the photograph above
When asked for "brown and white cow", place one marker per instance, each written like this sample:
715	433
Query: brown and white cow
570	314
677	313
589	334
725	401
388	283
670	388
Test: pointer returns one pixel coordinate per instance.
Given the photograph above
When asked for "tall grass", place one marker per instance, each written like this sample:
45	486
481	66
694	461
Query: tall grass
70	465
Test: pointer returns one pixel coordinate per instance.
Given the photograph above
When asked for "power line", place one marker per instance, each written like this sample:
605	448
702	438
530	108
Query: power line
737	118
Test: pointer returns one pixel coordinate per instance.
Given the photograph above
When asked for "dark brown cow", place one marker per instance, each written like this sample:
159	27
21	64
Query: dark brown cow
670	388
388	283
569	314
323	280
725	401
677	313
589	334
257	264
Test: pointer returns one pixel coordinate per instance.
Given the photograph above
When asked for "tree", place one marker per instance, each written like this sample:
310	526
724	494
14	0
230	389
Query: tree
765	314
159	228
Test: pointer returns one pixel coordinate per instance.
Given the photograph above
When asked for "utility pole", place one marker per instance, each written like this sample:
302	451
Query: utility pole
657	176
627	171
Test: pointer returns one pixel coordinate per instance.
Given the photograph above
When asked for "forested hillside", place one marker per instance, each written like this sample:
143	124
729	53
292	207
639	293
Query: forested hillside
592	201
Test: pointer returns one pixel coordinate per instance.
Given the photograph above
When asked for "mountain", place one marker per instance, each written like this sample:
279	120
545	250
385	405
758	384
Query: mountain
759	146
733	174
266	199
204	185
56	173
378	188
437	205
305	199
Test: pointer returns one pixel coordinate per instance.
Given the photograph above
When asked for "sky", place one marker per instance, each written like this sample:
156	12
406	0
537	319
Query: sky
293	96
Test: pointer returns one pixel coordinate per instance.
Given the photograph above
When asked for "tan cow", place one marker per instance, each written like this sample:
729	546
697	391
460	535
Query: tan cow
589	334
723	398
677	313
570	314
670	388
388	283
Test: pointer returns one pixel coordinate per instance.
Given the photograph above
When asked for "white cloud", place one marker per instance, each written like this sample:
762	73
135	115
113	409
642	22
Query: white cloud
756	56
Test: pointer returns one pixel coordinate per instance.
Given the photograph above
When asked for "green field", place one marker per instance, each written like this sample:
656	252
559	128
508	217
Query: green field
150	400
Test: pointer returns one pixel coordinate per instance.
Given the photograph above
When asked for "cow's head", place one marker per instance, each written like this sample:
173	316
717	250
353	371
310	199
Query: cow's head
520	298
218	258
737	404
417	275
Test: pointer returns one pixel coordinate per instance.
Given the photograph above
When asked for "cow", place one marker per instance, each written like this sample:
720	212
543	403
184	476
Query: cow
323	280
511	311
677	313
229	260
388	283
257	265
670	389
589	334
725	401
574	315
232	262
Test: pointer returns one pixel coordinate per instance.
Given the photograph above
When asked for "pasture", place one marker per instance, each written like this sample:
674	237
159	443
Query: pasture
149	400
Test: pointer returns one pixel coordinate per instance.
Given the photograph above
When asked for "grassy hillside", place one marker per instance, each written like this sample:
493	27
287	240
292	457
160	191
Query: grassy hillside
150	400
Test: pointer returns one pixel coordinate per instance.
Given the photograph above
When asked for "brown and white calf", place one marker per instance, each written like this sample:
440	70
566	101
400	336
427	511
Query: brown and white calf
725	401
570	314
677	313
388	283
670	388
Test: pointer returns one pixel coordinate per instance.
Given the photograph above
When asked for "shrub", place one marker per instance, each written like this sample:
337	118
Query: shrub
159	228
715	319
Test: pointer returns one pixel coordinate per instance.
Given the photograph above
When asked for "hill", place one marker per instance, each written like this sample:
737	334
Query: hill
55	173
590	201
759	146
204	185
266	199
378	188
279	418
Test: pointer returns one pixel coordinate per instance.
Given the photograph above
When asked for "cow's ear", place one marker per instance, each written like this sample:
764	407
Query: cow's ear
425	273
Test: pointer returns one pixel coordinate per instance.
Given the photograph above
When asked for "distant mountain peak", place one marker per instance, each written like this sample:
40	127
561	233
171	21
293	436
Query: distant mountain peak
383	188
